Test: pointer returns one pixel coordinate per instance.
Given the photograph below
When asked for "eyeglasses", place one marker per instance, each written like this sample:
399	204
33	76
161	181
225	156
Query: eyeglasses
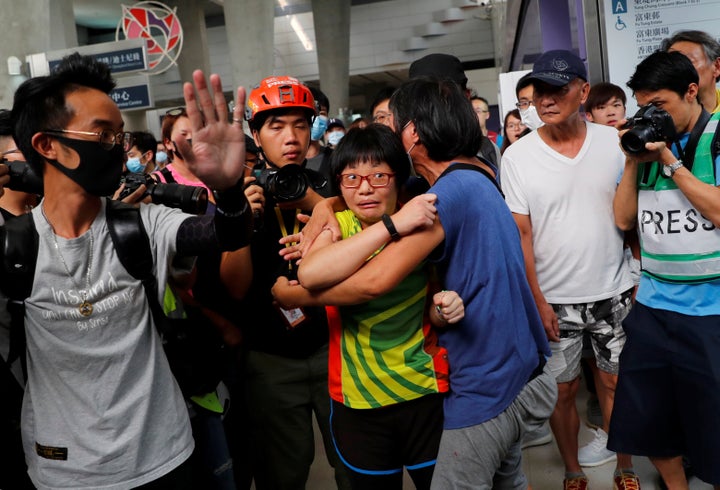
353	181
481	111
178	111
524	104
107	139
514	125
381	117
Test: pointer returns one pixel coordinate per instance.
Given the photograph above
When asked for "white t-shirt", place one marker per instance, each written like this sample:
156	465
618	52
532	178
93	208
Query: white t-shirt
101	407
578	249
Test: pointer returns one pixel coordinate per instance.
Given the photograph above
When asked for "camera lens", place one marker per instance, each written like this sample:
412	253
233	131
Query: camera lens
189	199
289	183
635	139
23	178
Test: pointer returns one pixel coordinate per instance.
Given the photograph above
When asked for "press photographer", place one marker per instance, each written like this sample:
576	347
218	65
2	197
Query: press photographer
672	355
287	364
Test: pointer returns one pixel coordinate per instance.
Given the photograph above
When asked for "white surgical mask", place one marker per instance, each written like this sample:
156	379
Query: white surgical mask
530	117
335	137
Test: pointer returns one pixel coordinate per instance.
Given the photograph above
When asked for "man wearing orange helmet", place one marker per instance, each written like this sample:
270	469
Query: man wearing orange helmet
286	375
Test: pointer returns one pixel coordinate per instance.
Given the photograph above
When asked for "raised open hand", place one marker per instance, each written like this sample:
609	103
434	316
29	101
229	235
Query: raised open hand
218	145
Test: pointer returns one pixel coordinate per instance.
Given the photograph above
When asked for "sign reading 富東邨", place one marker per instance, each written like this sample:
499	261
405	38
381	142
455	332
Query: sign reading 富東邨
635	29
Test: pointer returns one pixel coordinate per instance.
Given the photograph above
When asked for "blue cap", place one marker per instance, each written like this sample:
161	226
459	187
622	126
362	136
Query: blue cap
558	67
335	123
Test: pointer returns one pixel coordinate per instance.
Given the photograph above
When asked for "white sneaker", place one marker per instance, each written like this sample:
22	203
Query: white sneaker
596	452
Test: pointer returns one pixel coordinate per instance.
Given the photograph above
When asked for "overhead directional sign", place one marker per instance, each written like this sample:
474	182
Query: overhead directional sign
133	93
123	57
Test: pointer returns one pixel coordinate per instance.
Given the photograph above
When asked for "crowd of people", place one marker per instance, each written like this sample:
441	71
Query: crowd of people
175	312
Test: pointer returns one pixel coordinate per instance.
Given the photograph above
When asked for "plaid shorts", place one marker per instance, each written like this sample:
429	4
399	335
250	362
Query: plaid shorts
603	321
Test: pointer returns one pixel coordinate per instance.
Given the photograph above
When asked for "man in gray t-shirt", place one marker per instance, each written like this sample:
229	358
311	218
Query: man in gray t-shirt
101	408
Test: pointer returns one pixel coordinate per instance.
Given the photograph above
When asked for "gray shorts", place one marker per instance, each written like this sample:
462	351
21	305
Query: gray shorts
488	455
603	321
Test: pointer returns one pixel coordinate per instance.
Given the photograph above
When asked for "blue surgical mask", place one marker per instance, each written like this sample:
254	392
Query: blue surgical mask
135	166
161	158
318	128
335	137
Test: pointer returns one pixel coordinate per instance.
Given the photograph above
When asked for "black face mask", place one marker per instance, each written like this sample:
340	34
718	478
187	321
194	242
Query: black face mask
177	152
99	170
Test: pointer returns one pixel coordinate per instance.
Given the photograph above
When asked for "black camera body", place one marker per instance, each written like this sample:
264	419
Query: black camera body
23	178
188	198
648	125
286	183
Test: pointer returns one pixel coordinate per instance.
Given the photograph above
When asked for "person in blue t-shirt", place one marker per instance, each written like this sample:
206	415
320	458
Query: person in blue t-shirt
668	394
500	387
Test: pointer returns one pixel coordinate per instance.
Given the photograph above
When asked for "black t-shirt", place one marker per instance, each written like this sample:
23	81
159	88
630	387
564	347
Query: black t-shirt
263	326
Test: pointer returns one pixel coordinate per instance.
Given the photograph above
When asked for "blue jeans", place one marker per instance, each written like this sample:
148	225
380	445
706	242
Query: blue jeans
212	465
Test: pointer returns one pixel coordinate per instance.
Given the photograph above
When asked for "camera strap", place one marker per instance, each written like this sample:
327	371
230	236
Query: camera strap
283	228
687	155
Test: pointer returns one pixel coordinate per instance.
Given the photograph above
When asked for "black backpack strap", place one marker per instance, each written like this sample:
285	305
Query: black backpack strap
133	248
168	175
19	241
467	166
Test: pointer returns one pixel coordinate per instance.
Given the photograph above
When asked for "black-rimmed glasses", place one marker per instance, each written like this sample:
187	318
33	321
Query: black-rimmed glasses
107	139
376	179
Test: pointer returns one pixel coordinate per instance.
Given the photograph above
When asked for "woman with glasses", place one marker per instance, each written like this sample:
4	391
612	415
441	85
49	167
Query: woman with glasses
383	352
514	129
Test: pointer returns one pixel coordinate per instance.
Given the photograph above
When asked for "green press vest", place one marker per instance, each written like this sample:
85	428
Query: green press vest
677	243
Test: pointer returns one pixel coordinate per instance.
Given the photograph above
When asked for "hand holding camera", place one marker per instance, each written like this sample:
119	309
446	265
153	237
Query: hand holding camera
649	125
189	199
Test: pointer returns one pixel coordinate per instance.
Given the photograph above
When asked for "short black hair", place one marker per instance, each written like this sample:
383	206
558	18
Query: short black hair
525	81
375	143
321	100
39	102
145	142
444	118
383	94
664	71
601	93
475	96
710	45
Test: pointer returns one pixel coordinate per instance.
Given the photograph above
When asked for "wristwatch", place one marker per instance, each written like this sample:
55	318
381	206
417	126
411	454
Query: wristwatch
669	170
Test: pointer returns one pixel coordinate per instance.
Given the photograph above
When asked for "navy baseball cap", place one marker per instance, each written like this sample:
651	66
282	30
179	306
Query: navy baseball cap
335	123
558	67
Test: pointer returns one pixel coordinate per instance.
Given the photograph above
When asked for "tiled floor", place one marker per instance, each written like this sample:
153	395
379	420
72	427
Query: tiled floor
543	467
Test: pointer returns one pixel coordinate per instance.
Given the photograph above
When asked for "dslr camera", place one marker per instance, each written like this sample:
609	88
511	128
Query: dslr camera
188	198
287	183
649	124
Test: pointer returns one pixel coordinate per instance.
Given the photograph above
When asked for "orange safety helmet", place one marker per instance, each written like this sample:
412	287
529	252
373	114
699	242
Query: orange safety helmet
279	93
